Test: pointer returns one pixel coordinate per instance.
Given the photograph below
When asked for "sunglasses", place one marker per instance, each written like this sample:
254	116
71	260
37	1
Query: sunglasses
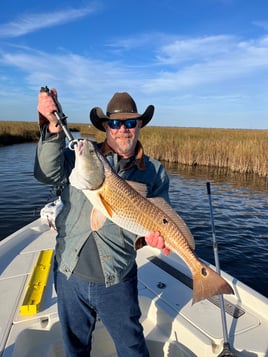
116	123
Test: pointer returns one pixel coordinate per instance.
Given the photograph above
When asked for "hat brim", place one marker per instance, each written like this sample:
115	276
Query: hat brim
97	116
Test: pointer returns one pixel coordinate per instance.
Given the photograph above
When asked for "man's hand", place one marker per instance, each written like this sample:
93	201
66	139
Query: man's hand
155	240
46	106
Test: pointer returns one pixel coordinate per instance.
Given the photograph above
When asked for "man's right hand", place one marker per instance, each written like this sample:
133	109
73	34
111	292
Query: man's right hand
46	107
155	240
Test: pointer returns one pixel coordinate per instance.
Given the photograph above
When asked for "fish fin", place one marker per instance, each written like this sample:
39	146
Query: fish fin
97	219
106	206
165	207
141	188
207	283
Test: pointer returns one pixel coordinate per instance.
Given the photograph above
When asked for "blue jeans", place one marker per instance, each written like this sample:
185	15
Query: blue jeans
117	306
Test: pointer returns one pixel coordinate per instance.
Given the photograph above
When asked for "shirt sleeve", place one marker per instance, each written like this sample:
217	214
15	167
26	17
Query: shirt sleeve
49	166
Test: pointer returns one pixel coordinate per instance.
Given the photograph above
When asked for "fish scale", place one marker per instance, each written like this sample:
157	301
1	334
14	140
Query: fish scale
142	217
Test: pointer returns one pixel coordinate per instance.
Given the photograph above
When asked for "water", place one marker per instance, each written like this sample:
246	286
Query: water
240	212
240	207
21	195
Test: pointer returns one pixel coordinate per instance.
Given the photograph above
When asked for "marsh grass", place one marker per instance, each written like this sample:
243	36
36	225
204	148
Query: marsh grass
243	151
20	132
235	150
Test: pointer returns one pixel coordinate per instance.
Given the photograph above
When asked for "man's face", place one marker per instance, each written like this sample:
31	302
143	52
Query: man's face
122	140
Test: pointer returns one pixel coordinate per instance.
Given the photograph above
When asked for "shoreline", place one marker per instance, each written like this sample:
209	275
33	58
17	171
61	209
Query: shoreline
234	150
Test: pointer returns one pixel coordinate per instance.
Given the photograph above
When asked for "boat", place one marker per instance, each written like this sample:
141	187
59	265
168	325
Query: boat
29	324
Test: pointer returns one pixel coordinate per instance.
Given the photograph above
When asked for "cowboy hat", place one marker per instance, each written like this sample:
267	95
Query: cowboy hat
121	106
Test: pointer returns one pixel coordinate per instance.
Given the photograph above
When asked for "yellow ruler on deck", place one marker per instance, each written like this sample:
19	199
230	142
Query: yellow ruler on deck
37	284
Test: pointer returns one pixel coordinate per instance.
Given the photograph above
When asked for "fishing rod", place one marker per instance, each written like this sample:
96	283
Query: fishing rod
226	352
61	117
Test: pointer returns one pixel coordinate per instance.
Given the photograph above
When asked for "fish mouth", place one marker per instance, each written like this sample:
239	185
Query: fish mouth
82	145
92	147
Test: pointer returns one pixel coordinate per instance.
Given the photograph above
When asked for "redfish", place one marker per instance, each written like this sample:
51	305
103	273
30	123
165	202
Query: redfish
125	204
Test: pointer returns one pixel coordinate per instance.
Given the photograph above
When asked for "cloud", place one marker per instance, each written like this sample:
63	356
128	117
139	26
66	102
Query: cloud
200	48
169	62
190	74
214	49
140	40
33	22
194	62
181	63
72	74
261	24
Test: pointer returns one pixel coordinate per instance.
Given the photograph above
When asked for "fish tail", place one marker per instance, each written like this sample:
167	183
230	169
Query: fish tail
206	283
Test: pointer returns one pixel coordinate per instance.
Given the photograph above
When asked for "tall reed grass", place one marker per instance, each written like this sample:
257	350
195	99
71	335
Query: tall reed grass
15	132
243	151
18	132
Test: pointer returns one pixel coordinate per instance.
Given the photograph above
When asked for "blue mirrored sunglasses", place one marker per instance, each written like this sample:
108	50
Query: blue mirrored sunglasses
116	123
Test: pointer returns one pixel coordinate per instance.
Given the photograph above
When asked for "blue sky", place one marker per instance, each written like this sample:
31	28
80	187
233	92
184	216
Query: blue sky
202	63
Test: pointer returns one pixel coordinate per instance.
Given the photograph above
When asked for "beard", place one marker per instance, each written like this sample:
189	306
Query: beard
125	144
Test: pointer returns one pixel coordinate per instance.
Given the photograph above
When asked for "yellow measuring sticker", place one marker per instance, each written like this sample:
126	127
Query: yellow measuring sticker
37	284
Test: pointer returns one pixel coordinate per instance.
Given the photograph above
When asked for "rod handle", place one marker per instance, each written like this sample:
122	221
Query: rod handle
208	188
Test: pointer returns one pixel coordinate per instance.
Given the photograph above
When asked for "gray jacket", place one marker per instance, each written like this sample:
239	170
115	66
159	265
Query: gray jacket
53	165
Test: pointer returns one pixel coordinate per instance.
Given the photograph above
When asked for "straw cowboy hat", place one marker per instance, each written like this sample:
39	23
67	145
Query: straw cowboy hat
121	106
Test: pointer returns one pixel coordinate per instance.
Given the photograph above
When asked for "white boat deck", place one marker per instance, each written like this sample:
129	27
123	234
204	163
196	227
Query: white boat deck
199	326
25	245
172	325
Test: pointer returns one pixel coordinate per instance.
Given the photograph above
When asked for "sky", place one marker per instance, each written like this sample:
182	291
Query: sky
201	63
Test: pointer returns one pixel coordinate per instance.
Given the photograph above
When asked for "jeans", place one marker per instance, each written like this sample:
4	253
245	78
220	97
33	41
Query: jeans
79	302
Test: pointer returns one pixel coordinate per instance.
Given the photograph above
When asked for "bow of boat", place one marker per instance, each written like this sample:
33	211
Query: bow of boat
172	325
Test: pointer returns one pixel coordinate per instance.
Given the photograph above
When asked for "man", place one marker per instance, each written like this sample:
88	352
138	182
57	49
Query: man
95	271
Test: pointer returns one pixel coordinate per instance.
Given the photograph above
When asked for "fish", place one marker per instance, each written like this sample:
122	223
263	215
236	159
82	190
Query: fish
125	203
